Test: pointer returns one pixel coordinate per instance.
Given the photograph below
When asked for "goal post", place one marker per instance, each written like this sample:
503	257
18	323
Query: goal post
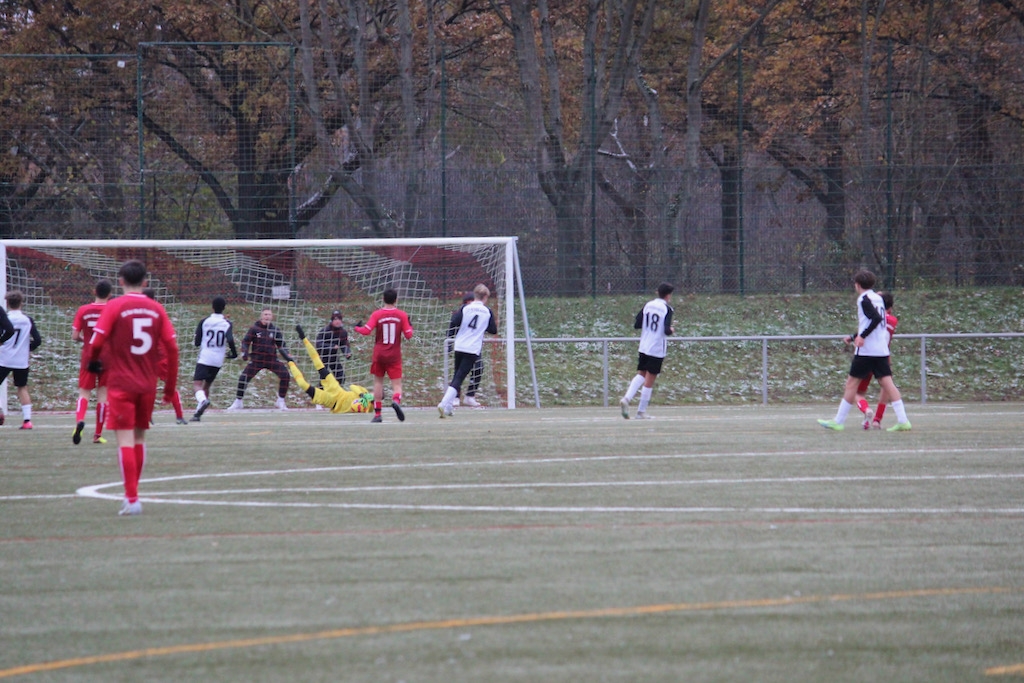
302	281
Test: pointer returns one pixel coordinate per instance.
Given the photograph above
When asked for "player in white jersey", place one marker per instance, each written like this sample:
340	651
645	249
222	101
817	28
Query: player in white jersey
655	324
14	354
871	355
214	337
473	321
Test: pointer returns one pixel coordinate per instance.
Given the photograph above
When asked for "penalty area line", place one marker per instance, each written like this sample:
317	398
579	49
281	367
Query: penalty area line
469	622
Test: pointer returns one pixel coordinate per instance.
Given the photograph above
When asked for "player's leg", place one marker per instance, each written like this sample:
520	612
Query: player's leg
396	393
475	375
862	401
87	381
378	397
248	372
81	408
202	380
283	380
860	367
896	401
652	368
463	366
21	385
101	412
634	386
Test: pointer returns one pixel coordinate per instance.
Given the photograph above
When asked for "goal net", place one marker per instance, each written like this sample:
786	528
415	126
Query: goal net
302	281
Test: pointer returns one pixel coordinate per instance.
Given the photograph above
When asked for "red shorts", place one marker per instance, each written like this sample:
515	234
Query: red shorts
89	380
383	366
126	410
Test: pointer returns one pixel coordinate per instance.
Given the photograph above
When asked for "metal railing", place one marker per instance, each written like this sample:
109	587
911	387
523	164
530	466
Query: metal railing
765	341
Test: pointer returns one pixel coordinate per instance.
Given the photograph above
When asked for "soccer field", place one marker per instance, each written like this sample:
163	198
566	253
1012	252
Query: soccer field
709	544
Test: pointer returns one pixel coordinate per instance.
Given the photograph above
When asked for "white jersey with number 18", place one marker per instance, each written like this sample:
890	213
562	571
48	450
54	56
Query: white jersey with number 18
654	320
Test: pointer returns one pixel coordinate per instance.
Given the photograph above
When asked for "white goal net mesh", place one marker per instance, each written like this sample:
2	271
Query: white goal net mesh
302	281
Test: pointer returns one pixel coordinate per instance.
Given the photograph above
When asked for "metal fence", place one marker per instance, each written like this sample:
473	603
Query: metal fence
774	369
212	140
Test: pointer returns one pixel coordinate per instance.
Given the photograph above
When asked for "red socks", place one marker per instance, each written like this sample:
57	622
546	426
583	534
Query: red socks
133	459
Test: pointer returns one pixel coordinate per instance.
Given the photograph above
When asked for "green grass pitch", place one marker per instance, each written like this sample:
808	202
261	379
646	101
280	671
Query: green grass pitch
709	544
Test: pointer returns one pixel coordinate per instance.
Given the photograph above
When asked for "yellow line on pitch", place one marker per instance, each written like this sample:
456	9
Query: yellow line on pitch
1012	670
533	617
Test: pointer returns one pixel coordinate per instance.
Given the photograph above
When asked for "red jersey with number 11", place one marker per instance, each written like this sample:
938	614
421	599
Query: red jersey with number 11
132	328
391	325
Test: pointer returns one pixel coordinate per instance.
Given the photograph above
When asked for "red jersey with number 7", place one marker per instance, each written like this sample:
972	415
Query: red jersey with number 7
132	329
391	325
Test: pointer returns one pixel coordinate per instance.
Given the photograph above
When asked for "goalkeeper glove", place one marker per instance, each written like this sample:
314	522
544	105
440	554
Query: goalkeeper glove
284	354
301	332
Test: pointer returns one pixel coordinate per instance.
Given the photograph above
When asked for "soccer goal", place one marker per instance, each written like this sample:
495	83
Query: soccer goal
302	281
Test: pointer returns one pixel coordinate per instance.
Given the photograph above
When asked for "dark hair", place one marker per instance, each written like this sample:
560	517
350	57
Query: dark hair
664	289
15	299
150	292
865	278
467	297
390	296
133	272
336	314
104	288
887	299
219	304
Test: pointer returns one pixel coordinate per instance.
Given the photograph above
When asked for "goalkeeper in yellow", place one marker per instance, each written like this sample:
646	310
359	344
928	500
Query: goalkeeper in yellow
330	394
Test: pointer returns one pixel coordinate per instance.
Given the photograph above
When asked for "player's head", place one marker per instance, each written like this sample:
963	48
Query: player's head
665	289
467	297
132	273
14	299
103	289
150	292
864	279
219	304
390	296
480	292
886	299
336	318
266	316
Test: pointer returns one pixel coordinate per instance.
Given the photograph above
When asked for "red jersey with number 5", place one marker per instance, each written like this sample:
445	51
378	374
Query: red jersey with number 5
132	328
391	325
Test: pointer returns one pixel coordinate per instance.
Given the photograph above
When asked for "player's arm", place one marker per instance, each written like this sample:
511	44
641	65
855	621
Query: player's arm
99	338
638	324
668	323
6	327
76	327
36	338
247	342
197	339
370	324
344	346
492	323
169	341
872	314
230	338
407	327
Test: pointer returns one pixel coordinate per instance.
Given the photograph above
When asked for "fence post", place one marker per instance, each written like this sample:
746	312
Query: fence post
924	372
764	370
604	348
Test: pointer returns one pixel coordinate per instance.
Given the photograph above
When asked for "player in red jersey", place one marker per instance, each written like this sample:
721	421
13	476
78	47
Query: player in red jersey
391	324
890	326
163	369
129	334
81	332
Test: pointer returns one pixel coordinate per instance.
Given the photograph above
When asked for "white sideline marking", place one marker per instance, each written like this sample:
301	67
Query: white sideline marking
181	497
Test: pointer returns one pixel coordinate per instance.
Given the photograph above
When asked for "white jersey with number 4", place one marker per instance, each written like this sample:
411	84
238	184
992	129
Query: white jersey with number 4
654	322
476	319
